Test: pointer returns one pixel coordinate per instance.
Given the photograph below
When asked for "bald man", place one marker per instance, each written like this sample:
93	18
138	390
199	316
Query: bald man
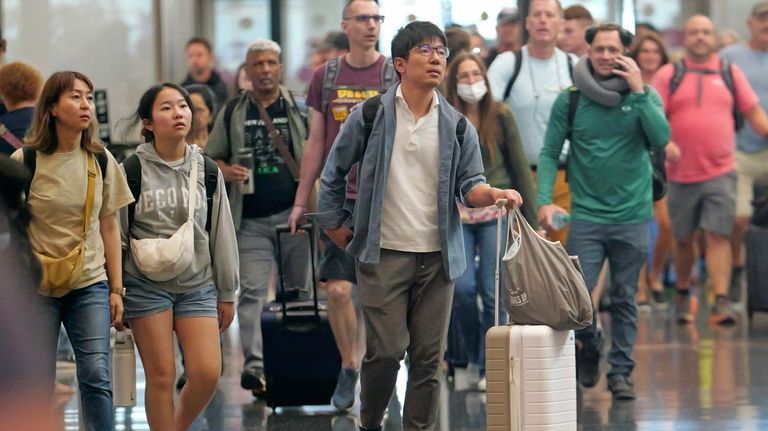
701	162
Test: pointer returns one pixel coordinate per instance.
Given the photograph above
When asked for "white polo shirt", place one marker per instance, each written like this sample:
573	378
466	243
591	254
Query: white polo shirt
409	207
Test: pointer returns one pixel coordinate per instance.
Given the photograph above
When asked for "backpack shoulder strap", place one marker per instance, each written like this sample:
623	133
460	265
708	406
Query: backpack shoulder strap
30	161
211	182
370	107
331	71
387	74
461	130
677	76
132	167
228	110
570	65
573	104
726	73
518	65
101	158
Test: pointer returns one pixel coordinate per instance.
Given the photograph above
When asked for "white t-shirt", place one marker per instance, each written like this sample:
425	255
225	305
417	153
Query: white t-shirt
409	207
532	95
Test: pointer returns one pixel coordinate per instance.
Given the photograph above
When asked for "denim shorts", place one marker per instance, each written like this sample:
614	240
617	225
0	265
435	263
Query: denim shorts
142	299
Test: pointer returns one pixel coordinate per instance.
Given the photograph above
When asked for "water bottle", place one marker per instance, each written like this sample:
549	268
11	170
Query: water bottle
560	219
245	159
124	370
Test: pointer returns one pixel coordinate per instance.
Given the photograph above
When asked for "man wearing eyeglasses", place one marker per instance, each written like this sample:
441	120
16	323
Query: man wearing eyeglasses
335	88
419	157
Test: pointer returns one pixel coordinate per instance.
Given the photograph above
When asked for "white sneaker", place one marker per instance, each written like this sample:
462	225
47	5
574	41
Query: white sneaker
481	385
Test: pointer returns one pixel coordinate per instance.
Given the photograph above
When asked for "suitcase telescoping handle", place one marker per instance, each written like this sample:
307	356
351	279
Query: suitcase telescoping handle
285	229
500	204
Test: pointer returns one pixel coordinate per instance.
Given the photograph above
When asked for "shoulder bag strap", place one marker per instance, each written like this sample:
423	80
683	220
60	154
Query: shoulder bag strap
192	189
10	137
89	194
277	142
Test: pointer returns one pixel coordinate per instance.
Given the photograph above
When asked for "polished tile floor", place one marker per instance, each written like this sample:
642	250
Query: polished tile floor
687	378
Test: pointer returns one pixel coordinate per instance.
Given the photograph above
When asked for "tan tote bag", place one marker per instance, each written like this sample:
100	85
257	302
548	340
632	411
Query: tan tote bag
542	284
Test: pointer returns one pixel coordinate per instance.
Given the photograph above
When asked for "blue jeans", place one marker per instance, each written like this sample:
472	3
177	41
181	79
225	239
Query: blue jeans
479	240
626	247
85	314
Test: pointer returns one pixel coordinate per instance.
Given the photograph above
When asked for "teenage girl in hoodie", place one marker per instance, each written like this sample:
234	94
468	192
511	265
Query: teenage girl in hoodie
197	303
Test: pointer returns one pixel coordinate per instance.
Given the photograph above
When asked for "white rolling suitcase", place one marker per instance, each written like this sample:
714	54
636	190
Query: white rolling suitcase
531	376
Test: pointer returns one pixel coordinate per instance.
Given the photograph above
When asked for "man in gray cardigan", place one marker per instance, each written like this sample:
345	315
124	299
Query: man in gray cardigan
241	132
407	236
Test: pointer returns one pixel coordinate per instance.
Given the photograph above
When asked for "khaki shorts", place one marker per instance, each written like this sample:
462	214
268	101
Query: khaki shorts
749	167
708	205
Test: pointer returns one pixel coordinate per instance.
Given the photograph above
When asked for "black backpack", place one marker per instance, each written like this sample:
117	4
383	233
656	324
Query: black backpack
519	66
371	106
659	175
30	161
132	166
726	73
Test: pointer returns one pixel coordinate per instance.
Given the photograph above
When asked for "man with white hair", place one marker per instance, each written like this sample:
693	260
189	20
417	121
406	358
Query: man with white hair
265	126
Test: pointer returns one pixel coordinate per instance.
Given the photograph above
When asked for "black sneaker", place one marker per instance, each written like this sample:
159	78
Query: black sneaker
588	363
622	388
256	383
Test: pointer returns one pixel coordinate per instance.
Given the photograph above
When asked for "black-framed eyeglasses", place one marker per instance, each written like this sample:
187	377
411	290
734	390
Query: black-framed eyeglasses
363	19
426	50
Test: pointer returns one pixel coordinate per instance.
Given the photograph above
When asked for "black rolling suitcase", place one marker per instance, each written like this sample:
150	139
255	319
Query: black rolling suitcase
756	244
301	361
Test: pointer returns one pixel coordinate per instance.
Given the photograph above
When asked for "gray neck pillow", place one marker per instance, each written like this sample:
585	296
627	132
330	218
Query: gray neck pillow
605	92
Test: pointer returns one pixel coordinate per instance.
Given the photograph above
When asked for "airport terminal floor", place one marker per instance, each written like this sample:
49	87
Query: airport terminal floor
688	378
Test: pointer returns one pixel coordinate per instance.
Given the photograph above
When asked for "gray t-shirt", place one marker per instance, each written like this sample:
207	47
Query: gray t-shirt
532	95
754	64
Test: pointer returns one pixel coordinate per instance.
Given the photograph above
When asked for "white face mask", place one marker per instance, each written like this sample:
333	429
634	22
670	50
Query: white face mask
472	93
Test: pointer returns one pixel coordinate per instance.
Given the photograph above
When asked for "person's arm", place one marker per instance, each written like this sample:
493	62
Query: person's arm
471	187
110	235
219	149
652	118
520	170
311	166
345	152
546	169
225	259
758	120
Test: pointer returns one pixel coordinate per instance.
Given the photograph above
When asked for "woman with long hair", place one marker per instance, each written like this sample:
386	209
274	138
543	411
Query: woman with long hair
468	89
650	53
181	261
73	199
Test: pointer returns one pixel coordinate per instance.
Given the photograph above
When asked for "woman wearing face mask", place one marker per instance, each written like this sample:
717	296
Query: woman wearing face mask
180	268
505	164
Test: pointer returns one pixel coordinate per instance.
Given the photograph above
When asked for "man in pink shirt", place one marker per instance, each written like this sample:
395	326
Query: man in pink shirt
700	168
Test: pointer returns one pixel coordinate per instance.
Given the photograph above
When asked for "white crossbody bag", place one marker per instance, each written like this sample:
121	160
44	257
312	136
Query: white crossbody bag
162	259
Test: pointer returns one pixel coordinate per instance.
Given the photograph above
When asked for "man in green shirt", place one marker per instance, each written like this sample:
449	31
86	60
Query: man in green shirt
616	119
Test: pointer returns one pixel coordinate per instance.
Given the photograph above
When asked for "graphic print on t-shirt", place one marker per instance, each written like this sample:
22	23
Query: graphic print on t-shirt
274	186
343	98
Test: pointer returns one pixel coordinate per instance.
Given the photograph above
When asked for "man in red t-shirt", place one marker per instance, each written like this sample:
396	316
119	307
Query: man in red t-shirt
335	88
700	168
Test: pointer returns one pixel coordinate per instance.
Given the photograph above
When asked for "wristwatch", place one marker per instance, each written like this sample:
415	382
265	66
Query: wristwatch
118	290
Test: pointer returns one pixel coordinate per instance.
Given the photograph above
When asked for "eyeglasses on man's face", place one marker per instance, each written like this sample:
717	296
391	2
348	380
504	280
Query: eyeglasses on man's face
427	50
363	19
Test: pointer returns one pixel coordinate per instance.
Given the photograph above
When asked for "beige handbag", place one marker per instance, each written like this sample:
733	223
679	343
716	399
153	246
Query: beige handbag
162	259
543	285
61	273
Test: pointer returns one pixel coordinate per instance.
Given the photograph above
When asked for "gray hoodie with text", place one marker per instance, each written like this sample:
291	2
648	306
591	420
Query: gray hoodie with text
162	208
